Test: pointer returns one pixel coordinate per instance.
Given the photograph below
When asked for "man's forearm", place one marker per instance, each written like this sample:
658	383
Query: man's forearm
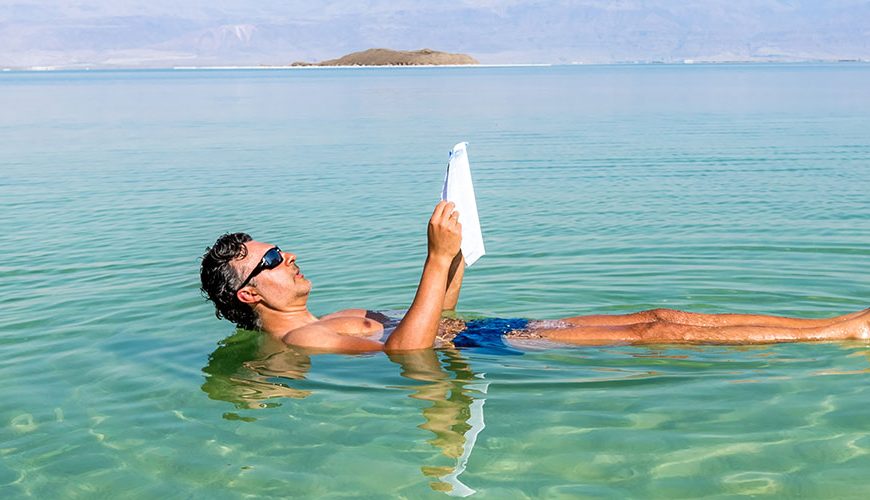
419	327
454	282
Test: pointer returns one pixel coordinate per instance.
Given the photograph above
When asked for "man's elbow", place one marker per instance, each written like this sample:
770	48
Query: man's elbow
398	348
400	344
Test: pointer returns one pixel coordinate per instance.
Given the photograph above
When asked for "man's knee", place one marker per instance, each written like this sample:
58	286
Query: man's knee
642	332
661	314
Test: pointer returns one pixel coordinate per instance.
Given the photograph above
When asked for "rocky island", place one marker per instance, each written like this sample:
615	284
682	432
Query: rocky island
387	57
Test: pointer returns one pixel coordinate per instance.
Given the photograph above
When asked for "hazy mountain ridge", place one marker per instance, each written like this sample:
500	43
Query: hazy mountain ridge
493	32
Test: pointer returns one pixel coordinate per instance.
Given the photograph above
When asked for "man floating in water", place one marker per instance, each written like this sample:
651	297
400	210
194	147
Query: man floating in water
258	286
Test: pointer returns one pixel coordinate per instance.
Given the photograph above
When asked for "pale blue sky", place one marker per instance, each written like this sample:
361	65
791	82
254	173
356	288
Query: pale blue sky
214	32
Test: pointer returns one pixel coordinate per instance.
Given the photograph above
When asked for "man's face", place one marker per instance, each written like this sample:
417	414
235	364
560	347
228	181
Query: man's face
280	288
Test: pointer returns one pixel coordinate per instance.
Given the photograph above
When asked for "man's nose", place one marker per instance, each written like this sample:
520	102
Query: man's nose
289	257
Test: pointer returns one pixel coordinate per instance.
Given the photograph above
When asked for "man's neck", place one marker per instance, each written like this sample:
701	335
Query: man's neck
279	323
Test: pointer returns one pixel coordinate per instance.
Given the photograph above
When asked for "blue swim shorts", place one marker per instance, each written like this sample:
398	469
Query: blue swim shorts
488	334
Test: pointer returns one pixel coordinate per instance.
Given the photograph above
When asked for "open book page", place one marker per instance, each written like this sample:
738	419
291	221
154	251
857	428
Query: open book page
459	189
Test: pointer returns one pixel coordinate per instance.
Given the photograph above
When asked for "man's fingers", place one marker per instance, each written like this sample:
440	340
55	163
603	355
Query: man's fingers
443	211
448	208
440	208
445	231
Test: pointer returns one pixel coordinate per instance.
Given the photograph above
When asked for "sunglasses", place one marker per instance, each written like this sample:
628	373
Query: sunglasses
271	259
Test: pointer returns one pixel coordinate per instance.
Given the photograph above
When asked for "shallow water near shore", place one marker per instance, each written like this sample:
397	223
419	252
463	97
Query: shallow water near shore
601	189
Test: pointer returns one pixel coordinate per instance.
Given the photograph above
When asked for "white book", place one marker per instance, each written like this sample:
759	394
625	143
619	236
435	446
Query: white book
459	189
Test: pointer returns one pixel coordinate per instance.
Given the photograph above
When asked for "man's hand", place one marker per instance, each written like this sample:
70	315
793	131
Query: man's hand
445	232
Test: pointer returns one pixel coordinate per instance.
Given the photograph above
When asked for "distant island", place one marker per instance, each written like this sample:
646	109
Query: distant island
387	57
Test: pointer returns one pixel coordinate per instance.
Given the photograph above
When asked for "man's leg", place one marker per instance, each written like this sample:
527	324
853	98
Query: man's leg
663	332
697	319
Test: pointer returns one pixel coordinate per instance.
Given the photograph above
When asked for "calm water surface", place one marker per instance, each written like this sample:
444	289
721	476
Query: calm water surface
601	190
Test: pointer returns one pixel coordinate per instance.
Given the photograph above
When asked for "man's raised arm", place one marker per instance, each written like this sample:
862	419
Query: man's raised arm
420	324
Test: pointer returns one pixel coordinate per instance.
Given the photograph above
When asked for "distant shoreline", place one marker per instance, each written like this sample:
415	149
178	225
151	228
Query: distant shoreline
41	69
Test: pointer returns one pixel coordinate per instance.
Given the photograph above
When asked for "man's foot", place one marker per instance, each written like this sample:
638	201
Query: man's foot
855	328
862	330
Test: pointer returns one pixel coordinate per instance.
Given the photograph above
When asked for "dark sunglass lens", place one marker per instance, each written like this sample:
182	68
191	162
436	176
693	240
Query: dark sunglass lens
272	258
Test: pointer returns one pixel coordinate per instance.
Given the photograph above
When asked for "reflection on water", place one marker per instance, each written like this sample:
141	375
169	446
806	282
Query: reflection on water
252	371
456	413
248	369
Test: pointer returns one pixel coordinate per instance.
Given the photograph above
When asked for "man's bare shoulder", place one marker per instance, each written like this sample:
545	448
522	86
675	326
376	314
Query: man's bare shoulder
325	334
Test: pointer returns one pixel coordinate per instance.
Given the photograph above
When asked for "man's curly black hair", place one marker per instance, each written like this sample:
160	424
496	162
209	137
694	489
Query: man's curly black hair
220	280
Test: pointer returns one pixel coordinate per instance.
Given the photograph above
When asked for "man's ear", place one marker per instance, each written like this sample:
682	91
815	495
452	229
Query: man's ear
248	295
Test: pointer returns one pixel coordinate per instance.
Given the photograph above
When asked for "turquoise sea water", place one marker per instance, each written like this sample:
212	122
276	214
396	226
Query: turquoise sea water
604	189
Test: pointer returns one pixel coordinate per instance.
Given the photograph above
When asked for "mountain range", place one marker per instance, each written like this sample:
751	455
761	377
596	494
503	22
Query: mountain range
161	33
